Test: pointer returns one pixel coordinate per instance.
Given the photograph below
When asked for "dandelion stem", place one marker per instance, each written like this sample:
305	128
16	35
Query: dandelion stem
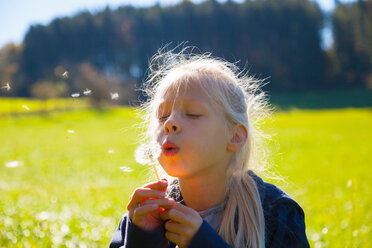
156	172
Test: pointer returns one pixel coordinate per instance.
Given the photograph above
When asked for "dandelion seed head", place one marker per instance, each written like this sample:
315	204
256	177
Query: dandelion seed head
82	245
74	95
26	233
318	244
43	215
315	237
126	169
57	239
65	229
147	153
87	92
25	107
70	131
13	164
65	74
344	224
114	96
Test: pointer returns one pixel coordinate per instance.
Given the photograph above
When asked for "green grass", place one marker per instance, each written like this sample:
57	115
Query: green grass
26	105
70	191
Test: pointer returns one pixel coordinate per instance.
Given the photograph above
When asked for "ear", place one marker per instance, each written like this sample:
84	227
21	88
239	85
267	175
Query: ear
238	138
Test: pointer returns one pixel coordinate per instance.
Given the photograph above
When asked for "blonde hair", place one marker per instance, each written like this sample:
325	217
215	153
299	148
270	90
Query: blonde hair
241	99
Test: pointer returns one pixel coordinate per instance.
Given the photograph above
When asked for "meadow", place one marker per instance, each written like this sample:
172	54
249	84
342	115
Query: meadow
66	176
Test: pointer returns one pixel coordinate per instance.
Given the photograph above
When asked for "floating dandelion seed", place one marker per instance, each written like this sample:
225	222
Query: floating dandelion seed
13	164
111	151
74	95
25	107
65	75
87	92
148	154
70	131
6	87
126	169
114	96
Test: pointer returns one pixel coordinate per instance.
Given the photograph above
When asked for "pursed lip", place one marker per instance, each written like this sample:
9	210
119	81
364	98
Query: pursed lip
169	149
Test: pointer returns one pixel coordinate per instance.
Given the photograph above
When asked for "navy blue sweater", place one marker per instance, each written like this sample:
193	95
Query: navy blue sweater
284	225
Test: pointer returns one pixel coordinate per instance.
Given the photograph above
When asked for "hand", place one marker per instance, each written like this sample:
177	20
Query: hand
147	203
182	223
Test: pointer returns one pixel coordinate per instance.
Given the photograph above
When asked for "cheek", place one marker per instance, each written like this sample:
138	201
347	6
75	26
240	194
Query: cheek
158	134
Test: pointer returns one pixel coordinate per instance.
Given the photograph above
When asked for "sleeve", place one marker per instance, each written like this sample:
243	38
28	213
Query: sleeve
286	226
128	235
207	237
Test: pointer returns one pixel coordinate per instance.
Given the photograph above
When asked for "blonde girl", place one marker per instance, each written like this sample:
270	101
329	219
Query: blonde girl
203	119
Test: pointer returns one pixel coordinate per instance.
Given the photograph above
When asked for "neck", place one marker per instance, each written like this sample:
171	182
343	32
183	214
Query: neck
203	192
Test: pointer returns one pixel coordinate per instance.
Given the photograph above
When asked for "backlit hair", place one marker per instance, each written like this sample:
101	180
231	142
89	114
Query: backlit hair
242	101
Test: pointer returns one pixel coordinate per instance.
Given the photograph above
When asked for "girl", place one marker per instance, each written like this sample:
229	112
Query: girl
202	117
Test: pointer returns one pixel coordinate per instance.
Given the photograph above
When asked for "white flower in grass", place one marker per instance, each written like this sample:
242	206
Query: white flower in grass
65	229
13	164
70	131
43	215
349	183
111	151
75	95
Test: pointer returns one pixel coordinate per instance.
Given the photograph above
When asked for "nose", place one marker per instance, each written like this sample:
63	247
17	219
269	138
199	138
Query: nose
171	125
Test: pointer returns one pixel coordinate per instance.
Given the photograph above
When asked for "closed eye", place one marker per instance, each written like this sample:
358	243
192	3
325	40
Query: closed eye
163	118
193	116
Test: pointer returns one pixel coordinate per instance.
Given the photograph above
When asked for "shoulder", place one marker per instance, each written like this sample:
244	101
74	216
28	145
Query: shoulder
272	196
284	217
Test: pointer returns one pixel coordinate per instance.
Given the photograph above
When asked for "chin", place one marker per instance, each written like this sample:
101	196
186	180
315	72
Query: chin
175	171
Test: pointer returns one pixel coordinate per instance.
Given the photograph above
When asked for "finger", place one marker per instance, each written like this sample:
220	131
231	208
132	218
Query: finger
159	185
141	193
184	209
173	214
143	210
175	227
175	238
163	202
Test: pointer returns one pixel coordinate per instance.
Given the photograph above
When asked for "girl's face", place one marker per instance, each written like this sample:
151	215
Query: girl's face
193	135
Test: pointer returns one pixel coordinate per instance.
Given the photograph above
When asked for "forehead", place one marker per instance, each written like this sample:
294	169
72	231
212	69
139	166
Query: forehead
185	92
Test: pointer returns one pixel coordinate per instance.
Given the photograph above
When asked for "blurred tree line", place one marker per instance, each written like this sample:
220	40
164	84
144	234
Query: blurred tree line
279	40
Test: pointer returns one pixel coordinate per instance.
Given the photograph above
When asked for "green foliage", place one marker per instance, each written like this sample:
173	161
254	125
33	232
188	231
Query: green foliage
357	98
47	89
69	189
276	39
352	52
279	40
